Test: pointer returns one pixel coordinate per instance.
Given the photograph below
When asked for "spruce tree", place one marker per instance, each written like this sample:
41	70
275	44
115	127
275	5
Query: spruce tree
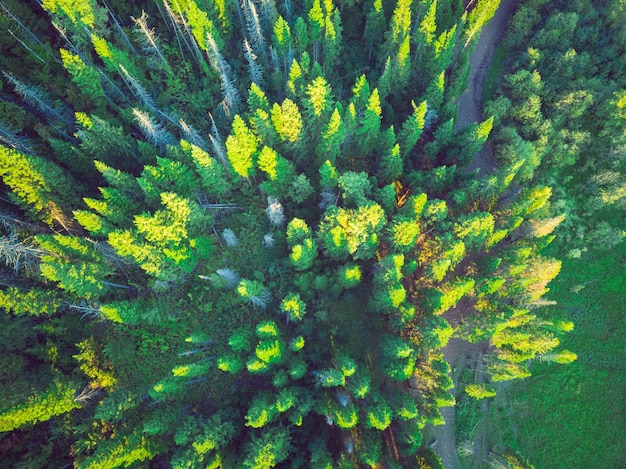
265	212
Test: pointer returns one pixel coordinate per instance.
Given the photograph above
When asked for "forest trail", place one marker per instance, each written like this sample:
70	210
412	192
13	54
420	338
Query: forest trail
458	352
471	101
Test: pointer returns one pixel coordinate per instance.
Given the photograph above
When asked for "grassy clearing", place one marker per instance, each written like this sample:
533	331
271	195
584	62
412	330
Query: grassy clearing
574	416
576	412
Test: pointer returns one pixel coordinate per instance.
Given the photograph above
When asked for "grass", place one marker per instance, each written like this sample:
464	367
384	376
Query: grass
568	416
574	416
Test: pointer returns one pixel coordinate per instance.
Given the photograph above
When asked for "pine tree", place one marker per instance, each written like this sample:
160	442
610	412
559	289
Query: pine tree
332	138
85	76
399	357
254	293
43	196
370	123
390	166
287	120
352	232
355	187
332	35
33	302
57	399
319	97
475	229
187	266
479	391
374	27
102	141
316	26
398	44
279	170
211	173
76	264
283	41
404	233
241	148
80	12
115	453
349	275
412	129
266	451
379	415
293	307
162	240
479	17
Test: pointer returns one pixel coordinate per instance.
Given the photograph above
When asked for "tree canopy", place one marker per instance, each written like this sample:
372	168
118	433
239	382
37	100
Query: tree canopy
235	235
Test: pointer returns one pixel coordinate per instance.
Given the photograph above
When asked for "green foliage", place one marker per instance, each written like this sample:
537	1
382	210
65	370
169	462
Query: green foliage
293	307
398	357
94	365
359	385
300	189
241	148
406	408
479	391
269	351
330	378
475	229
356	187
253	292
230	364
260	413
349	275
412	129
37	184
32	302
267	329
303	255
75	263
85	77
287	120
114	453
352	232
113	407
57	399
210	171
379	415
161	241
266	451
187	264
346	417
404	233
78	11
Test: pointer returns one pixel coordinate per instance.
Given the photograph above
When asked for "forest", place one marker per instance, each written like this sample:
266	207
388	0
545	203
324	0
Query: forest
260	233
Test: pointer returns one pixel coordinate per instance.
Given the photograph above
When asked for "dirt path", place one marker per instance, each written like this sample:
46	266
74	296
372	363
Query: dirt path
457	352
471	101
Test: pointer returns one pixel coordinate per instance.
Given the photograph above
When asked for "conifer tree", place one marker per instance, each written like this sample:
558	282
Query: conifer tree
241	148
398	42
375	26
246	208
268	450
86	77
56	400
43	195
287	120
